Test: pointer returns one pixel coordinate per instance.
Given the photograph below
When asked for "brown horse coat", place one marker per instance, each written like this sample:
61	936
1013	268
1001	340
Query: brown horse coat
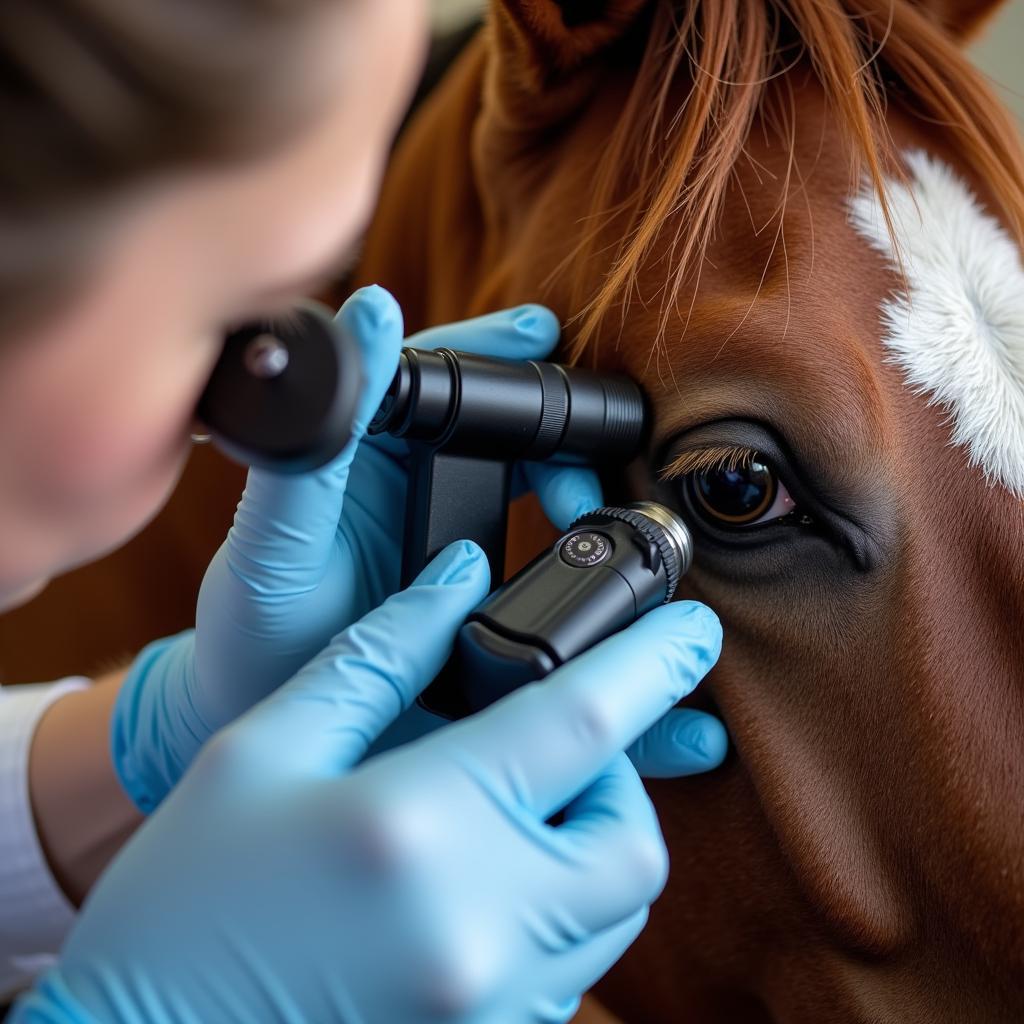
860	857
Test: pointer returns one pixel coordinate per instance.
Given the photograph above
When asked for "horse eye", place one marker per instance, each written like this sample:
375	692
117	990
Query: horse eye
738	496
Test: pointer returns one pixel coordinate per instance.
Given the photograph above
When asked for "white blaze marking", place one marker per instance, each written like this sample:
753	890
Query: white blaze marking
958	332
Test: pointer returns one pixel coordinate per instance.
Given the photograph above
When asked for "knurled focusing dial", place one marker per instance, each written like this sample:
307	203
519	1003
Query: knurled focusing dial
585	549
660	525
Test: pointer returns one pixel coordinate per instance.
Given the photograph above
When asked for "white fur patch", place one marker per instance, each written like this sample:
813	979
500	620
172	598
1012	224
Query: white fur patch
958	332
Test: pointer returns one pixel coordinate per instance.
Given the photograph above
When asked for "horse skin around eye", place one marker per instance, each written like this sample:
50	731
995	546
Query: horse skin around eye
807	517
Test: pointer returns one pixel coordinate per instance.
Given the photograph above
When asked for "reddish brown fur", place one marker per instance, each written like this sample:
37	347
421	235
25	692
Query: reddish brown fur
860	858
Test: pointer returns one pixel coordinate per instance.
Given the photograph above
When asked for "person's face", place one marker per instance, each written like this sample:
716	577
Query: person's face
97	404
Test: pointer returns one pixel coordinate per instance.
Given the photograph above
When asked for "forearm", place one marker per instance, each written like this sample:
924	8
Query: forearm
82	814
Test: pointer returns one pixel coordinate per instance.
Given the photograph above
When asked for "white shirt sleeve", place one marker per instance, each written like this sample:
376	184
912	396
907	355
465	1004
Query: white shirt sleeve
34	914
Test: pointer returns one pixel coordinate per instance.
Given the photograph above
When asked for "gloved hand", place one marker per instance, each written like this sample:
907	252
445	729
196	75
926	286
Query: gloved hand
684	741
308	555
282	880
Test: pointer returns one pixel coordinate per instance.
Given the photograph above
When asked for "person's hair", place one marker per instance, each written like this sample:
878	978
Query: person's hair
96	96
668	166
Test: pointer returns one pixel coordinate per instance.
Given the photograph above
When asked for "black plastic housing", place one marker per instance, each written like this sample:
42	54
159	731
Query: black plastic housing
468	418
498	409
556	608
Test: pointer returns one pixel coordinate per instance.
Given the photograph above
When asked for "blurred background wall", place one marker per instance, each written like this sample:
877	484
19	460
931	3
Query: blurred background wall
450	14
1000	53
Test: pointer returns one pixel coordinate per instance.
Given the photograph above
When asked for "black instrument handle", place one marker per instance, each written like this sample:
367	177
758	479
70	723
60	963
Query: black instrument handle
454	497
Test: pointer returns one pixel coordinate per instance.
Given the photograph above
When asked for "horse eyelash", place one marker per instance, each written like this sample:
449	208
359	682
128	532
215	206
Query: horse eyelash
706	460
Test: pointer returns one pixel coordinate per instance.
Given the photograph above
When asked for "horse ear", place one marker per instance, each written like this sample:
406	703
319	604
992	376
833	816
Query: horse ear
540	42
961	18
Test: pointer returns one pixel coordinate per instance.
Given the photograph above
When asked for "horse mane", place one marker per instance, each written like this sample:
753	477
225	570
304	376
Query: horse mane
667	165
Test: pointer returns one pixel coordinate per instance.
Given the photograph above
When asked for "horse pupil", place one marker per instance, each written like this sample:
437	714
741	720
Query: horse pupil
736	496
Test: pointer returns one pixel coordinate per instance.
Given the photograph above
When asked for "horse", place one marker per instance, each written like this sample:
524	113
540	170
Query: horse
797	223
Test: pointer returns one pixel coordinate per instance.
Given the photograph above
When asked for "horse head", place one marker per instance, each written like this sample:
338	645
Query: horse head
797	224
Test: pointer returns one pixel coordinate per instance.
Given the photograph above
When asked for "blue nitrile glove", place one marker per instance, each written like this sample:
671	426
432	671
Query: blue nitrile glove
282	880
685	741
308	555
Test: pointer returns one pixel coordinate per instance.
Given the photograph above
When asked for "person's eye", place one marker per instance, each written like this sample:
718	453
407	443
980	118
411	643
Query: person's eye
731	488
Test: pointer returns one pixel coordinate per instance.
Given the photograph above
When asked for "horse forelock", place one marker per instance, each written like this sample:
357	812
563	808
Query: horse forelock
662	182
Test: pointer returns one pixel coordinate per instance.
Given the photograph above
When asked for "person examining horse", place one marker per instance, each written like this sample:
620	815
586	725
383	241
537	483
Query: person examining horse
171	170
